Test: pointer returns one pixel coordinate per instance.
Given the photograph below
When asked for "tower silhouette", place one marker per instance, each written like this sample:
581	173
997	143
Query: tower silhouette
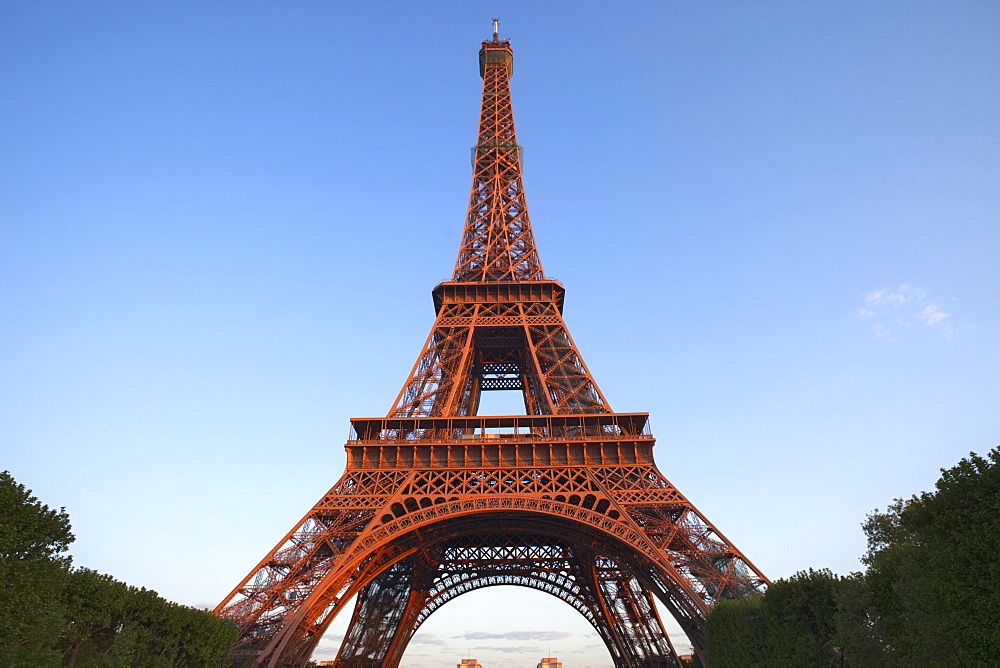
437	501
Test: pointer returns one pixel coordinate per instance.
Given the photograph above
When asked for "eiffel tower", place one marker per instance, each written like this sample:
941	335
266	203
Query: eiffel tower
437	501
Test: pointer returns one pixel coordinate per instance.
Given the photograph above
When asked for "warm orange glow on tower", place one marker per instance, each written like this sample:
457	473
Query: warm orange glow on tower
438	501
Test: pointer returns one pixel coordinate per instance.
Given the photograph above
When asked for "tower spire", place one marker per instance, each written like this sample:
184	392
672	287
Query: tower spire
497	243
499	321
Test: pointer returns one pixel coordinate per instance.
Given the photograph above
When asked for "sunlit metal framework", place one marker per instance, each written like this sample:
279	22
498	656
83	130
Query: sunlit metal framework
437	501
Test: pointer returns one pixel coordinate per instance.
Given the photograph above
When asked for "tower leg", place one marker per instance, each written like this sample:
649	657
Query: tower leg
631	618
380	608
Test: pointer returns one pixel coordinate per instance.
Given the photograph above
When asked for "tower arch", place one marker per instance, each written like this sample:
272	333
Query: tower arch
591	570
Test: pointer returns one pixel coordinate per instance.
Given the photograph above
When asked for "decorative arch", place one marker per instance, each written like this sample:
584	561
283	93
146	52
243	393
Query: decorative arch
610	581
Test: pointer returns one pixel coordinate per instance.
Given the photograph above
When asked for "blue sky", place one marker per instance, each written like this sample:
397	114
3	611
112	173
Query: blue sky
220	223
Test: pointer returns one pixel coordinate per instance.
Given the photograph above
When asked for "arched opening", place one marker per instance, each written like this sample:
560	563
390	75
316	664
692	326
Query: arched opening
506	626
475	552
488	624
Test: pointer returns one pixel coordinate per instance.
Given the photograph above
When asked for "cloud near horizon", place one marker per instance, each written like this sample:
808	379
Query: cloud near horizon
515	635
507	649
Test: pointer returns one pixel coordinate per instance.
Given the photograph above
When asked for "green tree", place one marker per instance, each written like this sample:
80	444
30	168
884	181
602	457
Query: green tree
97	605
33	572
860	632
736	634
934	568
929	597
52	615
801	614
29	530
793	624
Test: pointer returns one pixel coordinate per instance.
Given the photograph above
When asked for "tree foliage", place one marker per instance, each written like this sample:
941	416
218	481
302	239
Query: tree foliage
30	530
930	595
55	615
33	572
736	633
934	568
791	625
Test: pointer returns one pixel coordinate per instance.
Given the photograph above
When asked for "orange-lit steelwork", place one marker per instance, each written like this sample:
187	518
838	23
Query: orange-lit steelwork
437	501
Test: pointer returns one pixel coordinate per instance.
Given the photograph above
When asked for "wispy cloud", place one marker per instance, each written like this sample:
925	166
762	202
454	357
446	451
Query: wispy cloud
890	311
894	298
329	646
933	316
515	635
507	649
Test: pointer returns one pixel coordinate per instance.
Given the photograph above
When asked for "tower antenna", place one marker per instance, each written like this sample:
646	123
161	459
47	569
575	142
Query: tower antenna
496	30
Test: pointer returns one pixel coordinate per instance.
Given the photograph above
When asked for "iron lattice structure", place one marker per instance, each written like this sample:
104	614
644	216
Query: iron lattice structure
437	501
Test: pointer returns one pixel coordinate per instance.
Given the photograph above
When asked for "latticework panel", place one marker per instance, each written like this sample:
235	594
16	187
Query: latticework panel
499	346
570	387
432	387
631	615
379	612
290	573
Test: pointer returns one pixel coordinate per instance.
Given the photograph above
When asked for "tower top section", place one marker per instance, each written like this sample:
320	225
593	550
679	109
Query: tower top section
497	242
497	52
